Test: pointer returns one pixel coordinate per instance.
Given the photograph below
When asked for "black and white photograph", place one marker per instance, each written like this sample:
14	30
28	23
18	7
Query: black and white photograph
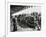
22	18
25	18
